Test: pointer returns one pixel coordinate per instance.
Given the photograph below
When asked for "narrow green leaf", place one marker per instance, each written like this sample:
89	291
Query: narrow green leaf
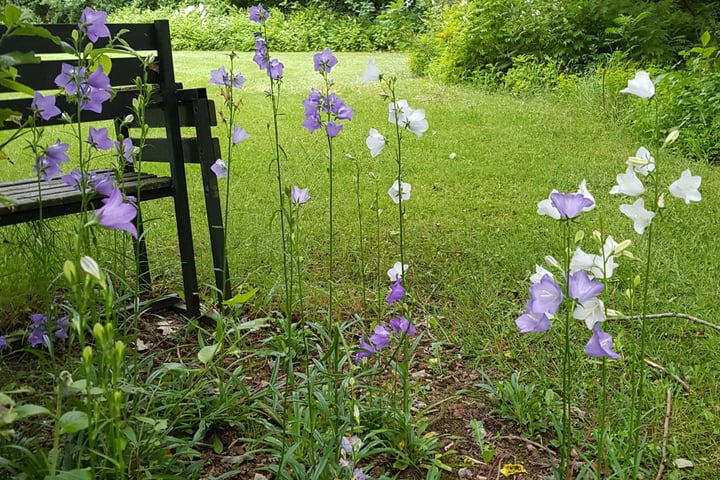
35	31
12	15
71	475
16	86
73	421
17	58
241	298
217	445
705	38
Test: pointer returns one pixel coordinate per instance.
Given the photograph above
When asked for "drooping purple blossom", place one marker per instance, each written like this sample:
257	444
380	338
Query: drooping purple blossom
275	69
103	183
117	214
402	325
100	139
582	288
45	106
125	149
380	337
38	331
358	474
397	292
570	205
222	78
92	23
3	343
348	445
366	349
220	168
261	57
239	135
258	14
95	91
531	321
545	296
333	129
324	61
299	196
48	164
69	78
600	344
62	327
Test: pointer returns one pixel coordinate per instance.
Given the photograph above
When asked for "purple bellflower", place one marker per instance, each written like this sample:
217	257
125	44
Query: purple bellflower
222	78
600	344
45	106
103	183
62	328
380	337
125	149
570	205
3	343
95	91
366	349
531	321
324	61
239	135
299	196
220	168
100	139
261	55
258	14
402	325
397	292
581	288
92	23
275	69
48	165
69	78
545	295
38	331
117	214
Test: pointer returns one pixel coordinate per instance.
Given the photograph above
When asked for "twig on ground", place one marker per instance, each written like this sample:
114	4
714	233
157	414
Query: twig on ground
675	377
684	316
666	434
527	440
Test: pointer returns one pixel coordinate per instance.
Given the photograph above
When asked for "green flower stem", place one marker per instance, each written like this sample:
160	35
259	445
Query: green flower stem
600	471
360	234
566	442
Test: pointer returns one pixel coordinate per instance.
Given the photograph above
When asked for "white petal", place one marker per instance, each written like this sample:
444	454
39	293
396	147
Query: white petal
687	187
371	73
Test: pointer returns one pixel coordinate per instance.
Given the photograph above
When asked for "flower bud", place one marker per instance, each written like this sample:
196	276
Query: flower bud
579	235
636	281
672	136
69	271
99	332
597	236
621	246
550	260
90	266
661	201
87	354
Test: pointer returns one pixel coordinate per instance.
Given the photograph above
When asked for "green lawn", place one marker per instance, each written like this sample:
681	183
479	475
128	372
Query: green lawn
472	233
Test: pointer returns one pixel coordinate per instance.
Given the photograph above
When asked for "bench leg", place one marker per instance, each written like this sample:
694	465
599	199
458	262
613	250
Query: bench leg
141	255
212	199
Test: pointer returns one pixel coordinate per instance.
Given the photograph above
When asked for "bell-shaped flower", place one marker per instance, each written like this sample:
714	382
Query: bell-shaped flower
366	349
643	163
100	139
48	164
117	214
582	288
299	196
641	86
371	73
687	187
126	148
275	69
600	344
324	61
570	205
590	311
380	337
333	129
375	142
258	14
397	271
406	117
628	184
222	78
638	214
399	191
545	207
397	292
93	24
220	168
45	106
401	326
531	321
545	296
239	135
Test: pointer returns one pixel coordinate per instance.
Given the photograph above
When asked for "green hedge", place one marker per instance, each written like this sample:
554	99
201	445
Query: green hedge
216	27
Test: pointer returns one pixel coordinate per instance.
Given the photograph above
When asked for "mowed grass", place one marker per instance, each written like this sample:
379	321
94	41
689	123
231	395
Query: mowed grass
472	233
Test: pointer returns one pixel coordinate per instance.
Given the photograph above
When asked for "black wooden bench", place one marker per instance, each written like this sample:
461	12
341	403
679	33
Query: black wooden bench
171	109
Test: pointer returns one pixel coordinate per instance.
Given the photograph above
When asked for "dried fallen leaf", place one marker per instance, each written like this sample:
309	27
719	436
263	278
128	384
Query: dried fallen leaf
141	347
512	469
683	463
166	328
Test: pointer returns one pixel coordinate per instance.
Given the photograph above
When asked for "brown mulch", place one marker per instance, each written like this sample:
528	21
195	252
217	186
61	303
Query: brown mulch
452	386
